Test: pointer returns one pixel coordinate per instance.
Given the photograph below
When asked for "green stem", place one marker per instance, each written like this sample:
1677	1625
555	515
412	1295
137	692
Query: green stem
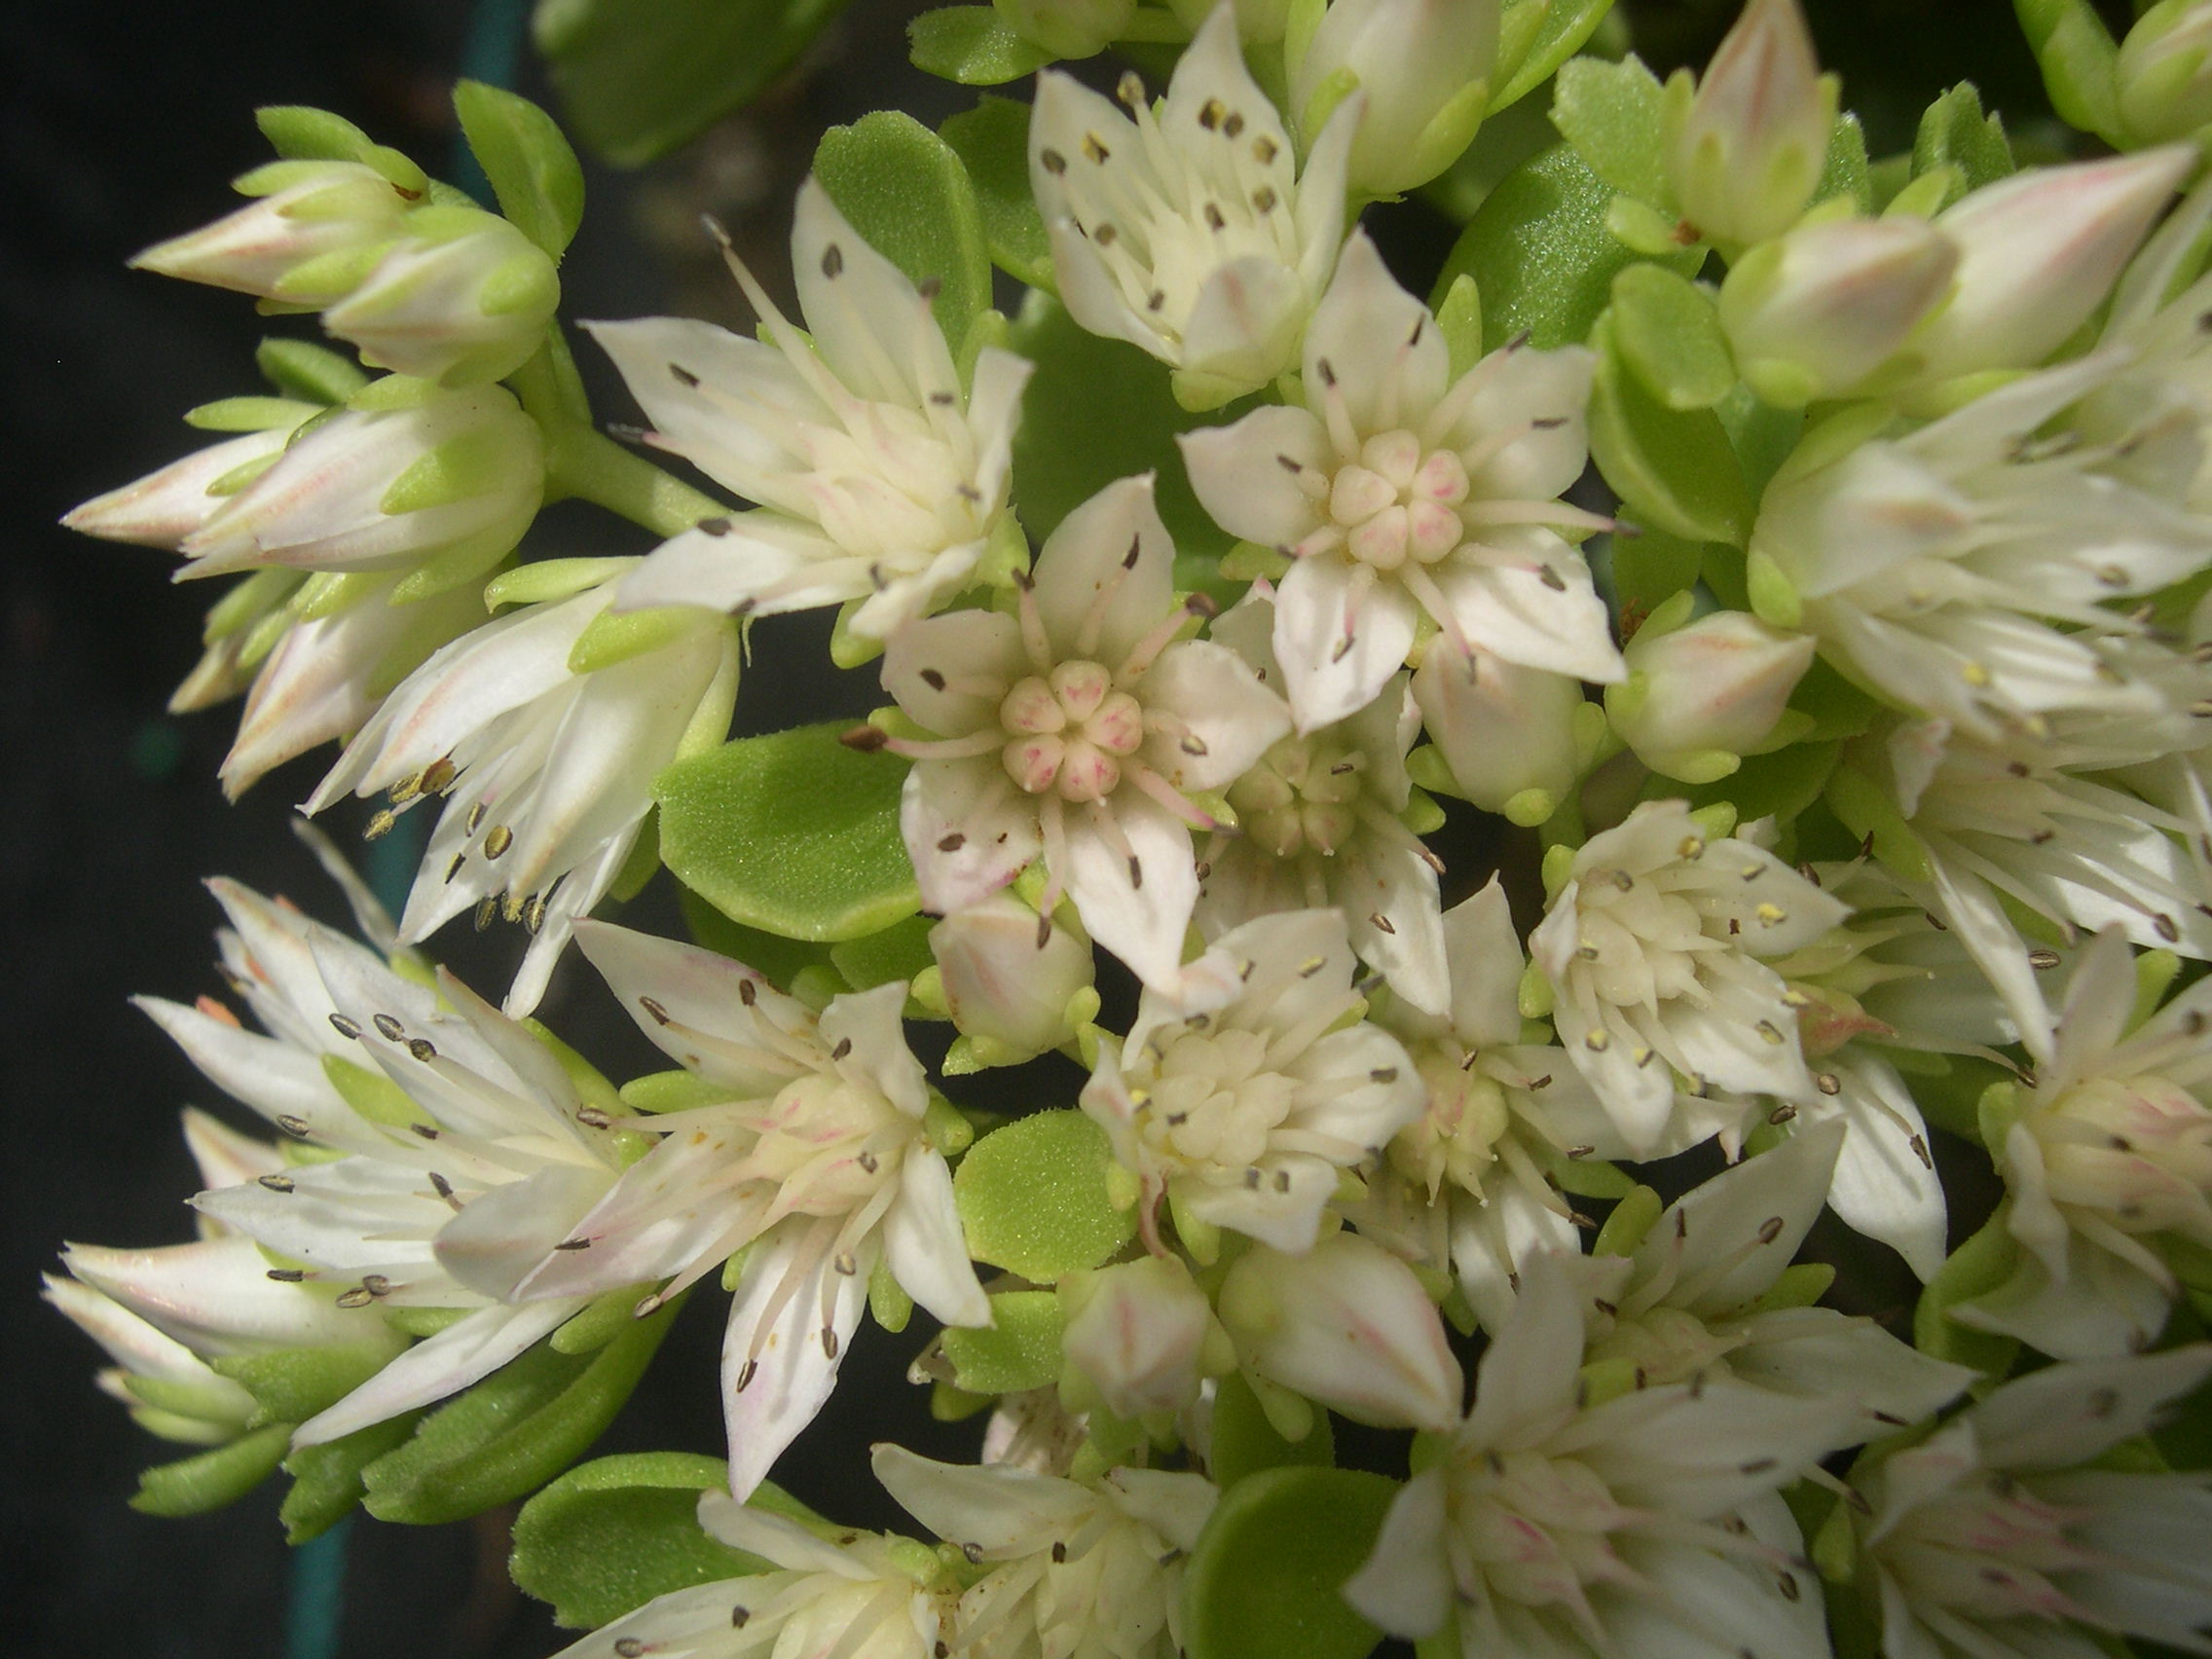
579	462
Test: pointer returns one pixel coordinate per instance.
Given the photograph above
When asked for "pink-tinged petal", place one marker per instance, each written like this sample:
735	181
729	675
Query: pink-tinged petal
1373	345
1246	473
924	1246
1732	1235
492	1245
1338	645
1243	330
790	1324
999	1509
465	1352
216	1297
863	1034
1484	951
1884	1188
1281	1211
1517	388
1136	888
1092	295
1106	577
1380	877
1502	728
2074	1414
1233	718
1526	596
949	673
757	561
1524	1382
1405	1586
1709	1604
869	323
968	828
163	508
994	414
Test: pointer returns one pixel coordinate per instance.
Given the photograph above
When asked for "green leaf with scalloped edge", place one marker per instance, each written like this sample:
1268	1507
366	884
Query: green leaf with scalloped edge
971	44
1019	1350
792	833
1033	1196
1246	1442
993	140
1675	468
1609	112
535	175
1263	1582
1954	132
193	1486
907	192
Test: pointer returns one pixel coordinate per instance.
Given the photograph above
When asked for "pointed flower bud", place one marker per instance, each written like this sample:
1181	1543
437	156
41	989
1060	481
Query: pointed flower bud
1816	313
1745	146
1506	732
2165	72
408	476
2039	251
302	240
462	299
1140	1336
1426	66
163	508
1349	1325
1015	989
1699	698
1067	28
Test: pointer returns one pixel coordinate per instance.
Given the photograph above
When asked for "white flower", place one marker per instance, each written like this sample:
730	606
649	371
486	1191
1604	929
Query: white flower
1076	1571
1401	492
1646	1525
1240	1100
1699	697
880	477
2108	1149
1746	142
1654	949
866	1596
819	1159
304	238
1965	570
1141	1333
547	770
1077	729
1187	230
1321	822
2000	1535
2162	82
461	297
1425	66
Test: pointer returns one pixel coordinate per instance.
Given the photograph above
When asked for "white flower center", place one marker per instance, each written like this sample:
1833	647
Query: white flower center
1396	501
1455	1141
1984	1549
1211	1101
826	1145
1070	731
2137	1150
1534	1528
1641	937
1302	795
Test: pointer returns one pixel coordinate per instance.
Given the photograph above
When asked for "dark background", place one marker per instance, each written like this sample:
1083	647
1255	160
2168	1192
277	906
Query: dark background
120	126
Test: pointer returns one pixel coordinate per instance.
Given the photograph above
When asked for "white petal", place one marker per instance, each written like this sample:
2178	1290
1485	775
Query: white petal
1502	601
1337	659
738	567
777	1373
1519	389
1882	1187
1357	1085
927	1251
1817	1350
1374	344
498	1238
1238	473
698	991
1484	951
1386	877
970	646
1232	716
1243	330
2074	1414
864	1027
870	324
967	828
1715	1606
216	1297
1282	1209
1105	576
998	1509
1405	1586
1524	1382
465	1352
1759	1211
1140	915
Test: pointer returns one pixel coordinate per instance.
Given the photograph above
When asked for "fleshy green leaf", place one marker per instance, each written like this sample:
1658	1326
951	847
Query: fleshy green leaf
1535	37
1782	784
1954	132
1669	334
1034	1197
1246	1442
639	77
794	833
193	1486
973	46
1609	112
1649	568
1263	1579
1674	468
1845	172
302	369
1975	1267
1540	254
2078	59
992	140
293	1384
327	1478
512	1432
908	193
535	175
1019	1350
782	960
900	951
609	1536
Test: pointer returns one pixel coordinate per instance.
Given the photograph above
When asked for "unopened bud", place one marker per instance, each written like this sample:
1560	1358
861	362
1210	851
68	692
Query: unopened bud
2165	79
1746	145
463	297
1426	66
1506	733
1068	29
304	239
1013	989
165	508
1817	311
1347	1324
1138	1333
1699	698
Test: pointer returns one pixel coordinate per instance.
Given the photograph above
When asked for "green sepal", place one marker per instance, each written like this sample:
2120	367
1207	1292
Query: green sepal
292	1384
2080	63
1633	1217
792	833
1018	1351
1670	337
371	1093
465	561
1035	1196
1675	468
1844	173
889	1303
948	1404
545	580
248	414
1866	809
1611	113
1264	1578
512	1432
1459	320
532	172
1800	1285
423	1321
1975	1269
611	1534
1954	134
906	191
617	636
310	282
1534	39
242	475
193	1486
992	141
1586	1177
900	951
973	46
1532	997
311	372
1246	1442
300	133
327	1478
599	1321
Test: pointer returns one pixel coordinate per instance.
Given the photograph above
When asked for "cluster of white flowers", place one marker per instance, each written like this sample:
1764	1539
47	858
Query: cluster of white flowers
1893	808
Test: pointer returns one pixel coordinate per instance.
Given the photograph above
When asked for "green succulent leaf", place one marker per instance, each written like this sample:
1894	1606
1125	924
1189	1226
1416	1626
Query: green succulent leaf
900	951
1019	1350
1265	1577
1669	334
1609	112
1035	1198
993	140
193	1486
535	175
2080	63
1535	38
327	1478
293	1384
1975	1269
1674	468
973	46
906	191
1246	1442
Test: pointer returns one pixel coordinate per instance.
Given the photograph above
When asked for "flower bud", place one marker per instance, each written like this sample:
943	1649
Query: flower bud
1746	145
463	298
1349	1325
1699	698
415	476
1012	996
163	508
1259	22
196	1404
1815	312
2164	78
1068	29
1506	732
1426	67
2037	253
1139	1333
310	231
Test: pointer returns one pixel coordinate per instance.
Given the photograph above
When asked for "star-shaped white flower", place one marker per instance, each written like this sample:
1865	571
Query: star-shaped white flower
819	1159
1187	230
1240	1098
1077	729
881	477
1400	492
